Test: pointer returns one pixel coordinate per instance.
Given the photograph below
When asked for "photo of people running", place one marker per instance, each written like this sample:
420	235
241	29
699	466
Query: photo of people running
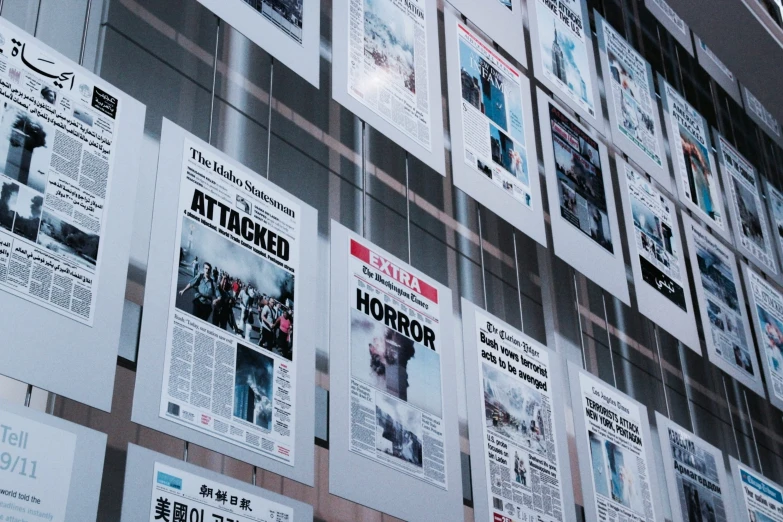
230	287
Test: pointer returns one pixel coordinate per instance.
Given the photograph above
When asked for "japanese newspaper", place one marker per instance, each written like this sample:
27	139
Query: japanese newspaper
653	221
693	166
396	410
492	119
619	467
769	314
522	468
387	63
58	131
230	362
761	499
634	105
181	496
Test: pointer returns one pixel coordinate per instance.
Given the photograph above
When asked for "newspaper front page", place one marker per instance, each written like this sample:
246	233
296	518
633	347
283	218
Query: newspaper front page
492	119
230	363
762	499
634	105
179	496
769	313
56	163
522	469
775	198
396	409
387	63
653	221
697	176
620	471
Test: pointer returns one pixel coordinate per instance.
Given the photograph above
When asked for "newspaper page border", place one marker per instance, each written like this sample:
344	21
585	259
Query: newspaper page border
736	467
497	22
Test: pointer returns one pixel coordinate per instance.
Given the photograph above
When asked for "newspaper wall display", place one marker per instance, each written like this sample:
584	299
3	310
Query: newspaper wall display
758	498
762	116
657	258
518	441
501	20
717	69
585	231
493	137
749	216
676	26
695	474
388	73
633	107
722	306
775	200
615	452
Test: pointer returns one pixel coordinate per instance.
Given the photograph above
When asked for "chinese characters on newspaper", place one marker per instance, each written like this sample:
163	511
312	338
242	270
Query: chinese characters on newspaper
761	499
396	409
57	153
230	362
768	313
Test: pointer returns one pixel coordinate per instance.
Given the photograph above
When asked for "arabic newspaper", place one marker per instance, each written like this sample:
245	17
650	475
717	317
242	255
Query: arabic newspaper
653	221
396	415
759	111
58	128
522	468
620	470
230	363
769	312
492	119
762	499
634	106
178	496
388	70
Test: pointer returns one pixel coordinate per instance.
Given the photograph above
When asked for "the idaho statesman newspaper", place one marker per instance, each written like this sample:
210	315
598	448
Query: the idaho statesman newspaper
230	367
396	405
620	470
57	150
762	499
493	126
179	496
769	313
388	70
696	474
519	442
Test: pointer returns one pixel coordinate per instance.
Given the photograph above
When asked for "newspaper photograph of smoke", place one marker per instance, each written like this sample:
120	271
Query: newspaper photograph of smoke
27	217
616	473
399	432
253	387
68	241
9	192
28	151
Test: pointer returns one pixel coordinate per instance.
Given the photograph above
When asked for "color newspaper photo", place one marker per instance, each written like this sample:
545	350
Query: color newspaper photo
389	41
615	473
253	381
750	220
701	180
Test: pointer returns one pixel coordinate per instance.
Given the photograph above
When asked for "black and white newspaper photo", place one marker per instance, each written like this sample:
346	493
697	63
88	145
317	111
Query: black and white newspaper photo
521	454
767	307
231	351
760	499
57	150
396	402
388	71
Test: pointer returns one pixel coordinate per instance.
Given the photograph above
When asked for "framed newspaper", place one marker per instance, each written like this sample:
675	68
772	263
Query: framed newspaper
158	487
563	56
717	69
758	498
671	21
222	362
657	258
393	424
500	20
493	141
585	231
68	171
722	306
615	448
762	116
289	30
632	104
386	70
517	425
695	475
775	208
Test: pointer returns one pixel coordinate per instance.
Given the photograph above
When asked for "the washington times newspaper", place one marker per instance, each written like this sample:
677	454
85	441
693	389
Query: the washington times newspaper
57	150
396	405
698	483
492	118
769	310
690	154
633	105
619	464
653	222
519	442
179	496
388	70
230	364
762	499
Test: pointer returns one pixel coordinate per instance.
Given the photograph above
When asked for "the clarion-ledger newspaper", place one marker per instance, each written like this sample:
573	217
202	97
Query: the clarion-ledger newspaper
492	120
653	221
230	366
762	499
697	176
522	468
633	105
179	496
619	464
769	310
395	366
388	70
698	483
57	150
